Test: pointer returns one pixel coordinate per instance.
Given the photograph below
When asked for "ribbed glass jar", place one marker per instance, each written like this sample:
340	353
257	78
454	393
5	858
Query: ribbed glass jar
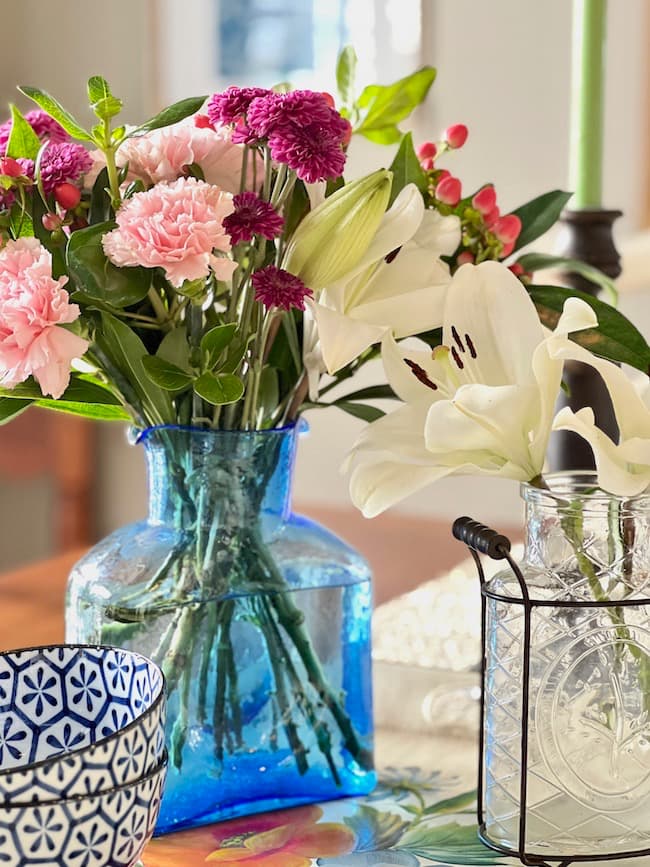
260	619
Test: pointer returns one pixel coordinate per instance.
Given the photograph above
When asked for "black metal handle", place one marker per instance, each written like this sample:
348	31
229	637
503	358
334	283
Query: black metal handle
481	538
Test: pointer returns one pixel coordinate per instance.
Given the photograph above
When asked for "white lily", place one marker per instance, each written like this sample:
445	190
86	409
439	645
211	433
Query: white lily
623	467
480	404
398	285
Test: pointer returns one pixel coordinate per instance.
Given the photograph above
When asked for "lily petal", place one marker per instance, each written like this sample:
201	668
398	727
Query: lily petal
486	425
341	338
488	303
615	473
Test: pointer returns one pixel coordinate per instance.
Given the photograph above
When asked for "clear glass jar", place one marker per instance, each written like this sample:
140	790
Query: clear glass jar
588	745
260	619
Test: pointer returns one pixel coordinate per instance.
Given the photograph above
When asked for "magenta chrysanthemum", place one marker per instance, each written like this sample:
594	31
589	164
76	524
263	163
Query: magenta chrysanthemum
45	127
300	107
303	131
314	153
275	287
252	216
63	163
227	107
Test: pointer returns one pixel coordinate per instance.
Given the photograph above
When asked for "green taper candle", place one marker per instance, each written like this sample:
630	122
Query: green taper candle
587	92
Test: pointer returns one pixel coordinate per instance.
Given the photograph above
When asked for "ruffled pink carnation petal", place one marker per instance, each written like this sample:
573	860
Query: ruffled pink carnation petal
313	153
174	226
64	163
164	154
275	287
33	306
252	216
231	104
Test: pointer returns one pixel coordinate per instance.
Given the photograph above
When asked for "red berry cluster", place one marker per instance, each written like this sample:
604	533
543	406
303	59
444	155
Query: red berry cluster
485	233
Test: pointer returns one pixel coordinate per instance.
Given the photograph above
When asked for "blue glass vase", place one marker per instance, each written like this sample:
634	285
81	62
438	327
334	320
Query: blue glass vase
259	618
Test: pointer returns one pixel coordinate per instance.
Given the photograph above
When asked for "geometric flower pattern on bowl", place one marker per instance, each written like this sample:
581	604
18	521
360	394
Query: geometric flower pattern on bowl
76	720
109	829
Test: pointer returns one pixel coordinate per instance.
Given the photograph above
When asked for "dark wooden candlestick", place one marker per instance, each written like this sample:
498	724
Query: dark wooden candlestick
585	235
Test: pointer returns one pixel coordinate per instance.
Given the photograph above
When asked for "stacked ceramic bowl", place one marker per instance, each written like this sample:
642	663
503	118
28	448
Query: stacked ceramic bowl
82	756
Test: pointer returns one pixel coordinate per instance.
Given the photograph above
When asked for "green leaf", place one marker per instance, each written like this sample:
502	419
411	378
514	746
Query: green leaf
346	70
175	349
171	114
98	412
382	107
296	209
372	392
615	338
451	843
101	100
541	261
56	110
166	375
268	396
10	409
235	354
215	341
452	805
538	215
99	278
125	351
219	388
101	209
406	169
290	331
359	410
22	225
81	389
23	141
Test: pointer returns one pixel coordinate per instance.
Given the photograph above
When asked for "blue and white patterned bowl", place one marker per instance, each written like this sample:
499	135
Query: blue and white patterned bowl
109	829
76	720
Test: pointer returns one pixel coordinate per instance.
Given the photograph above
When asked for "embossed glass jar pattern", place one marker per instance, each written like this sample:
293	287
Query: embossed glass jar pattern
588	744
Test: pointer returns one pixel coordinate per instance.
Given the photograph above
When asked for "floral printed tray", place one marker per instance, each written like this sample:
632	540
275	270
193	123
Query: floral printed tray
411	819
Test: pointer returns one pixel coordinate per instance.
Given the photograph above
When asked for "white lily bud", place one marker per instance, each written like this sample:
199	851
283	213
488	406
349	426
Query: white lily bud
333	237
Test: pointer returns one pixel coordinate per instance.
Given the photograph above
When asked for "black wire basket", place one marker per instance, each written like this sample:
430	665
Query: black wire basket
547	770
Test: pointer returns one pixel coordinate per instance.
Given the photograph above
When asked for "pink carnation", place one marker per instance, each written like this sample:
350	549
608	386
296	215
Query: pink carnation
33	306
275	287
63	163
161	155
174	226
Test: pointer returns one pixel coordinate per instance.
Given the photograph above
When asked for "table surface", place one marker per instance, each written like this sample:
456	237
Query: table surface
32	614
32	600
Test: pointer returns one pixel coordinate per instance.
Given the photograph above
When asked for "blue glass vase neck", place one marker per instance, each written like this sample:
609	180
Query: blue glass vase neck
200	478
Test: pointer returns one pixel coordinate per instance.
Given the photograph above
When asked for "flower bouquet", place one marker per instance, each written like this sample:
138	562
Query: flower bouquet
208	275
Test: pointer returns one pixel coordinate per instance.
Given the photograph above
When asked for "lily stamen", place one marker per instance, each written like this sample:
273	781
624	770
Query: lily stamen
457	359
420	374
470	346
456	336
